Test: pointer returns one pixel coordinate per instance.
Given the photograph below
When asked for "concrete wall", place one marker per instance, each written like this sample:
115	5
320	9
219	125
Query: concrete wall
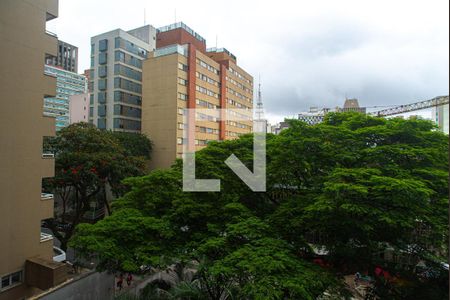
89	287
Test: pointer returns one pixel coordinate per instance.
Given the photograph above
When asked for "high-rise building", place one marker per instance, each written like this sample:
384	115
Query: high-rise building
116	77
26	264
67	84
67	57
183	74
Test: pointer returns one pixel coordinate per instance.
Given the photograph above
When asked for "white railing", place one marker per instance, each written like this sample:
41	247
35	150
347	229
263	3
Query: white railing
46	237
46	196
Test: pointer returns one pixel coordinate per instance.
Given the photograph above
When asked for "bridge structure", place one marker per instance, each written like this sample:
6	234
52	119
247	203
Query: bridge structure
400	109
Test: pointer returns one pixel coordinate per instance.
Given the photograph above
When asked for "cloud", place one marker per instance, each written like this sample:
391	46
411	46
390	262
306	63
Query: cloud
308	53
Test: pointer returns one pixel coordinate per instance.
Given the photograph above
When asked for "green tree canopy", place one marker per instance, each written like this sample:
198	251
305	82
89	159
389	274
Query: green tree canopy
353	184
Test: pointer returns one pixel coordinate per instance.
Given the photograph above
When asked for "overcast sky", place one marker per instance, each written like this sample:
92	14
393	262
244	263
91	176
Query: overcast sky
308	53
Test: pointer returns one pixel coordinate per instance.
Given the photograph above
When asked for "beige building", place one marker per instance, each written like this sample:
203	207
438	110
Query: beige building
26	265
183	74
79	108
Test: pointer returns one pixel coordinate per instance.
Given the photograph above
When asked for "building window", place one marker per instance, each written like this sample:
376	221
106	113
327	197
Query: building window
103	45
180	141
92	49
91	99
183	67
101	123
102	84
180	111
101	96
102	58
11	280
102	71
101	111
182	81
182	96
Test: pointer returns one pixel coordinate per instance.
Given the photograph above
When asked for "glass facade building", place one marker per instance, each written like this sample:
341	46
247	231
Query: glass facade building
67	84
116	77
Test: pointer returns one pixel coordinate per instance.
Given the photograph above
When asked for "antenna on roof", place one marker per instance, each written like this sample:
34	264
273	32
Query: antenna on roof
145	17
175	15
217	37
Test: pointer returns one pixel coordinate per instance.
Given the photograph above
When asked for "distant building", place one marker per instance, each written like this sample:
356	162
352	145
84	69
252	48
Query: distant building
183	74
67	57
79	108
314	116
441	117
116	77
67	84
276	129
352	105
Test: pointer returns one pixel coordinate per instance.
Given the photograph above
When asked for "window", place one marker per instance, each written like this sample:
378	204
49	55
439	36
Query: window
183	67
127	85
180	111
127	111
102	71
120	96
127	72
91	112
11	280
180	141
182	81
103	45
127	124
127	59
101	123
102	58
92	61
182	96
101	97
101	111
92	49
102	84
91	99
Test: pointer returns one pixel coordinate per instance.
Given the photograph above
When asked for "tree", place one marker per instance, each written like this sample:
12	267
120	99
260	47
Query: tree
354	184
86	161
135	144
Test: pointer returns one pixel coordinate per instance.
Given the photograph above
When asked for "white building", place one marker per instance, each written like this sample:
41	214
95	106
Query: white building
441	117
116	77
79	108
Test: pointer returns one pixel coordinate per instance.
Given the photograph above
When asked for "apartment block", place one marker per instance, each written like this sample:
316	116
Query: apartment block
67	57
183	74
116	77
26	265
67	84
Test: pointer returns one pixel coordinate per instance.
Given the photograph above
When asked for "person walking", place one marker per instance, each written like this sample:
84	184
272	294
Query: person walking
120	282
129	279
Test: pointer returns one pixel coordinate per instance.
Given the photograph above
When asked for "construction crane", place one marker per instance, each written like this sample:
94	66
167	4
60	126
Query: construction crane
437	101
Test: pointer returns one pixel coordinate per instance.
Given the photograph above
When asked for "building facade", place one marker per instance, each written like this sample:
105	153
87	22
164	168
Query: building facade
67	57
441	117
67	84
26	265
79	108
183	74
116	77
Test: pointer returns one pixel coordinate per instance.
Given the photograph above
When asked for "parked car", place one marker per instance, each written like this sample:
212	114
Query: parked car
58	254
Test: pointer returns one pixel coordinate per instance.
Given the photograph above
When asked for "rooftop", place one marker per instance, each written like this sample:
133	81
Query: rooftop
218	50
185	27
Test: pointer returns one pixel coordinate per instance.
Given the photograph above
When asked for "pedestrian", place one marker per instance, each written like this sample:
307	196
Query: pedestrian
120	282
129	279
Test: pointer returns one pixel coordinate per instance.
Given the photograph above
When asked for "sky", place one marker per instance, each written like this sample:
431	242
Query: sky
306	53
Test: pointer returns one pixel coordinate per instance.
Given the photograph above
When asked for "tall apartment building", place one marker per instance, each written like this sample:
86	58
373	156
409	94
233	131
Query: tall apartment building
441	117
67	84
26	265
352	105
79	108
67	57
116	77
183	74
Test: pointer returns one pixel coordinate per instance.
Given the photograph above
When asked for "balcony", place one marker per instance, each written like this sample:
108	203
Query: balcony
51	7
45	237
